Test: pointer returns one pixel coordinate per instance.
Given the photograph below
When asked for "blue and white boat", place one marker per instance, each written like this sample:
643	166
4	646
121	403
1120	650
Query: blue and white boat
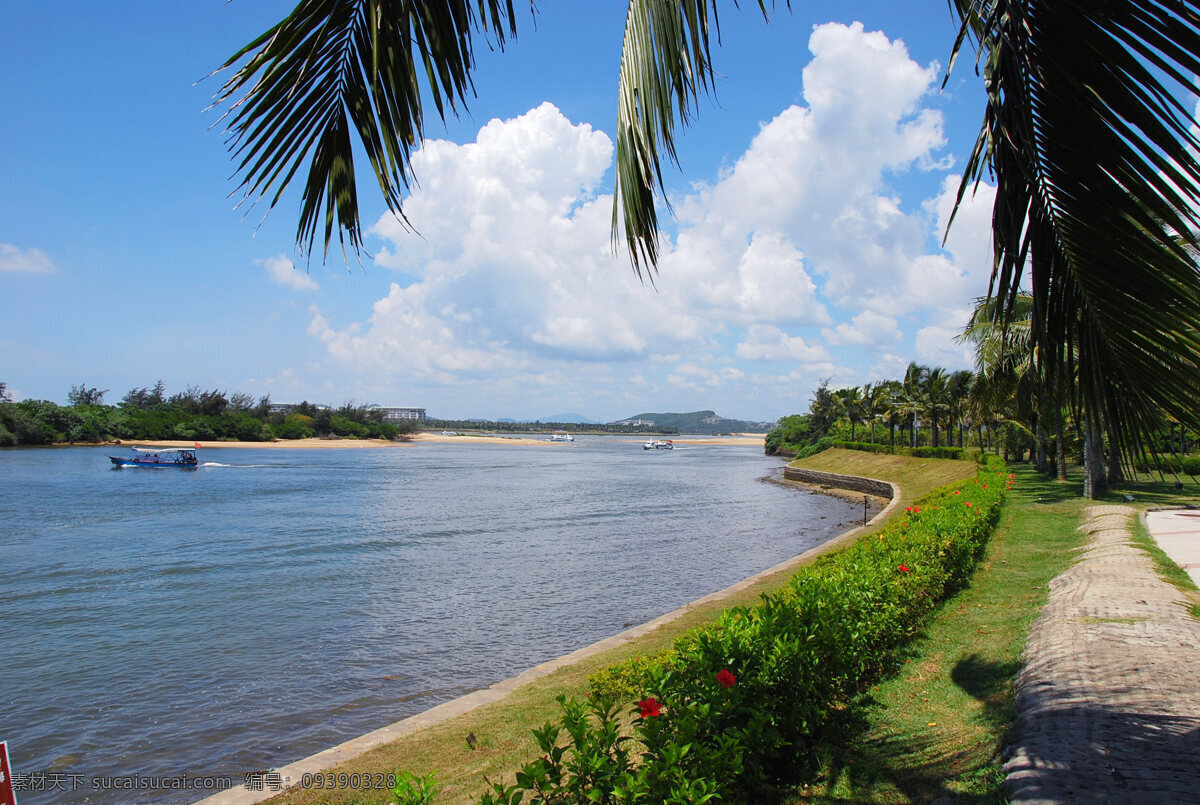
158	457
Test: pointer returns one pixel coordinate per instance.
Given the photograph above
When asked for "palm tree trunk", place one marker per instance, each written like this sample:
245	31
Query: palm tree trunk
1061	450
1041	445
1115	475
1094	481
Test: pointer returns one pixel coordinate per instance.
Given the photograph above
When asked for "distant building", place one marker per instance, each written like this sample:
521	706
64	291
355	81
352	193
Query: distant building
394	414
388	413
645	423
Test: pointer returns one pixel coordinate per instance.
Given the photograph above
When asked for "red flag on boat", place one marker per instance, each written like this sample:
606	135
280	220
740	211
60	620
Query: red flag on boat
8	794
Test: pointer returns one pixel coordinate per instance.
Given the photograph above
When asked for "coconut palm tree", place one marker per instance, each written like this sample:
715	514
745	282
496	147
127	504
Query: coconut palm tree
824	408
851	403
911	399
1087	130
936	397
958	388
876	402
890	391
1009	364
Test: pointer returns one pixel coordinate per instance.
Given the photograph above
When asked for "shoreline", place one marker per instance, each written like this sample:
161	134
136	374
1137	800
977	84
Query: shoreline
293	773
316	443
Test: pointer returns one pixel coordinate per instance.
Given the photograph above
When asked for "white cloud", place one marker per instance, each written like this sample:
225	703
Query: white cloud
764	342
936	344
869	329
25	261
804	245
969	239
282	271
817	177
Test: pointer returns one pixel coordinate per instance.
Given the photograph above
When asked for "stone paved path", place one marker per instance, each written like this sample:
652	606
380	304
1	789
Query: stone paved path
1109	699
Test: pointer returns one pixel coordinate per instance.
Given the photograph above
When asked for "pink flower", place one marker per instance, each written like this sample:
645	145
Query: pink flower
726	679
650	707
968	504
957	492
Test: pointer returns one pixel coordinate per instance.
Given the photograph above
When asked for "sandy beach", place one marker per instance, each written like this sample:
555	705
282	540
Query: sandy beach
463	438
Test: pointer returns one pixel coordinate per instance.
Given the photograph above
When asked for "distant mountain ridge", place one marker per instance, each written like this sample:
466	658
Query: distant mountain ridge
578	419
701	422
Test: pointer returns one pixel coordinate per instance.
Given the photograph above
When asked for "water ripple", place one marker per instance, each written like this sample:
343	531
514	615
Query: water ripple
219	621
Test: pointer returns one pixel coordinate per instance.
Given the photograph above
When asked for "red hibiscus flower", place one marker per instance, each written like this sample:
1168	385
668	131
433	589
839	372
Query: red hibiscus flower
957	492
726	679
650	707
903	568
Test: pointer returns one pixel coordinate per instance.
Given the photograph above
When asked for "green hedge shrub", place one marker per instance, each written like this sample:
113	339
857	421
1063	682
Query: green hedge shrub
866	447
936	452
740	708
870	447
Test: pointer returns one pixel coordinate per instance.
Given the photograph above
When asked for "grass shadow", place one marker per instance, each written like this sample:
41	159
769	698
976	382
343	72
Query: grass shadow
989	682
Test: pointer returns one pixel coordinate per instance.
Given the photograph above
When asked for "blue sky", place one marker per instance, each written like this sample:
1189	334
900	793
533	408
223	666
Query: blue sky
805	245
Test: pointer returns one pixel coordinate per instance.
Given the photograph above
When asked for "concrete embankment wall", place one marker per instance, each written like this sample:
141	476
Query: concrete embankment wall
869	486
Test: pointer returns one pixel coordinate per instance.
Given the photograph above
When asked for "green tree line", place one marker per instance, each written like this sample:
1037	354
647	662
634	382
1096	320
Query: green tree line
1011	404
194	414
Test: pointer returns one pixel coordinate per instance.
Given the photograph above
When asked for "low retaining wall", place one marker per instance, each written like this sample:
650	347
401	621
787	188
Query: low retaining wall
870	486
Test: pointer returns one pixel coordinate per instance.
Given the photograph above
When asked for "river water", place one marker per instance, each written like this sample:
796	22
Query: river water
274	602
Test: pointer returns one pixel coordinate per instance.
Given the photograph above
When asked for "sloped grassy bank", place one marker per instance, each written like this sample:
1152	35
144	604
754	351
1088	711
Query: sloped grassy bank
502	731
739	710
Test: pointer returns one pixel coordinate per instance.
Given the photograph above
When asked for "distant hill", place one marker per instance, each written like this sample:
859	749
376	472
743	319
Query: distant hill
701	422
578	419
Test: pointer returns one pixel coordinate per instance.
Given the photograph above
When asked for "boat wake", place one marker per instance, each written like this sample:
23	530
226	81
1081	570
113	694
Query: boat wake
235	466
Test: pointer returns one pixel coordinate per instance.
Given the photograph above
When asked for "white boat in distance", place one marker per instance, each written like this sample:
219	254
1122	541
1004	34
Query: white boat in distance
561	436
659	444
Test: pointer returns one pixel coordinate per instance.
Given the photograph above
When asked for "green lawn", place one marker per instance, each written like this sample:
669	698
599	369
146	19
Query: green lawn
935	729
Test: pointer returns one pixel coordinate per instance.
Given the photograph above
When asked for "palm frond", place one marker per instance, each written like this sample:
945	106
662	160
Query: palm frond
334	71
1088	131
665	64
